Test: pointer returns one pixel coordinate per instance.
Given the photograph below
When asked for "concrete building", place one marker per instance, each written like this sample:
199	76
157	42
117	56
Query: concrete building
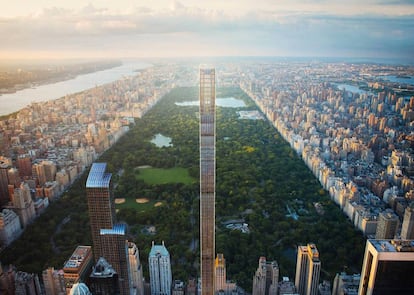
10	227
135	268
160	270
344	284
54	281
207	95
78	267
266	278
407	230
27	284
387	225
308	267
388	267
220	272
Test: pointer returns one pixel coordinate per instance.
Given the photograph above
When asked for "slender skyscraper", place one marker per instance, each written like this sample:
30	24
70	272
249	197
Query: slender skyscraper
407	230
207	177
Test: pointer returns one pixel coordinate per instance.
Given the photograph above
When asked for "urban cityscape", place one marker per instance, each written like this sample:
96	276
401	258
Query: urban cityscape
207	149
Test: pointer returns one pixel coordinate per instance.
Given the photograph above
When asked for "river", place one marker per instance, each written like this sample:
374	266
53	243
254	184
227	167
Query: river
12	102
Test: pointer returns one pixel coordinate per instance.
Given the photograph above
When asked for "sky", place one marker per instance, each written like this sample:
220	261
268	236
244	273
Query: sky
32	29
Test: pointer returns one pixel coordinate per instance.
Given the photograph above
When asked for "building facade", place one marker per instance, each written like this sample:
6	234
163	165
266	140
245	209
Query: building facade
308	267
54	281
101	205
407	230
207	95
10	227
388	267
160	270
115	251
266	278
387	225
220	272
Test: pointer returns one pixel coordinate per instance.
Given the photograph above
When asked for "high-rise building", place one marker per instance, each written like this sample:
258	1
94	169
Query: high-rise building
10	227
344	284
407	230
24	163
388	267
27	284
135	268
115	251
4	180
160	270
207	178
220	272
78	267
101	205
266	278
53	281
387	225
308	267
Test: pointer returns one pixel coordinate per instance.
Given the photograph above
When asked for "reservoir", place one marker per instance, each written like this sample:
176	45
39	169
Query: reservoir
12	102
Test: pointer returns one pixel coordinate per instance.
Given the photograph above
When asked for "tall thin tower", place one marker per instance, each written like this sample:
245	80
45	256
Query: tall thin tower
207	177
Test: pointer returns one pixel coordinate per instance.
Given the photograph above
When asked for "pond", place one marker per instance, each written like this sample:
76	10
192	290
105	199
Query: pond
161	141
225	102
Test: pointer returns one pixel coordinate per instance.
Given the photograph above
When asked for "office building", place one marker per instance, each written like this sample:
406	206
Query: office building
115	251
135	269
78	267
104	279
266	278
207	178
101	205
220	272
308	267
387	225
7	278
27	284
388	267
344	284
286	287
23	204
5	165
10	227
407	230
160	270
54	281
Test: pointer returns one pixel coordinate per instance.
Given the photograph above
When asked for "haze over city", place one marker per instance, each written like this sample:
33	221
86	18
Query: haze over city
162	28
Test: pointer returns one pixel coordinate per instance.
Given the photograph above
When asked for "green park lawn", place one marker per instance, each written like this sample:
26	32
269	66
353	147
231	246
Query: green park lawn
163	176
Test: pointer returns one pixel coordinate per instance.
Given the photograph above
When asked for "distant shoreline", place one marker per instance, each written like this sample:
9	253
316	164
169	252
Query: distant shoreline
33	84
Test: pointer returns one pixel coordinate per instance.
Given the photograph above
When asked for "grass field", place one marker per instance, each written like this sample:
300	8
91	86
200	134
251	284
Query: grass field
162	176
131	203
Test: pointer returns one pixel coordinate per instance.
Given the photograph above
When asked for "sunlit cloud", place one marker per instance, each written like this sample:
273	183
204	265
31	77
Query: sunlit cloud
306	27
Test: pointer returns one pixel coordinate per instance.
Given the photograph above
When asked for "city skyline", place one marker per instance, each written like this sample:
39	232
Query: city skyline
105	29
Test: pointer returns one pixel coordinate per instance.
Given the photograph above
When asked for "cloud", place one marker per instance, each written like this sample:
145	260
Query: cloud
191	30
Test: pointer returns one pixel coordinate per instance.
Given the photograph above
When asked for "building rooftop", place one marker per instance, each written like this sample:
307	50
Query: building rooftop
78	257
393	245
97	176
102	269
158	249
